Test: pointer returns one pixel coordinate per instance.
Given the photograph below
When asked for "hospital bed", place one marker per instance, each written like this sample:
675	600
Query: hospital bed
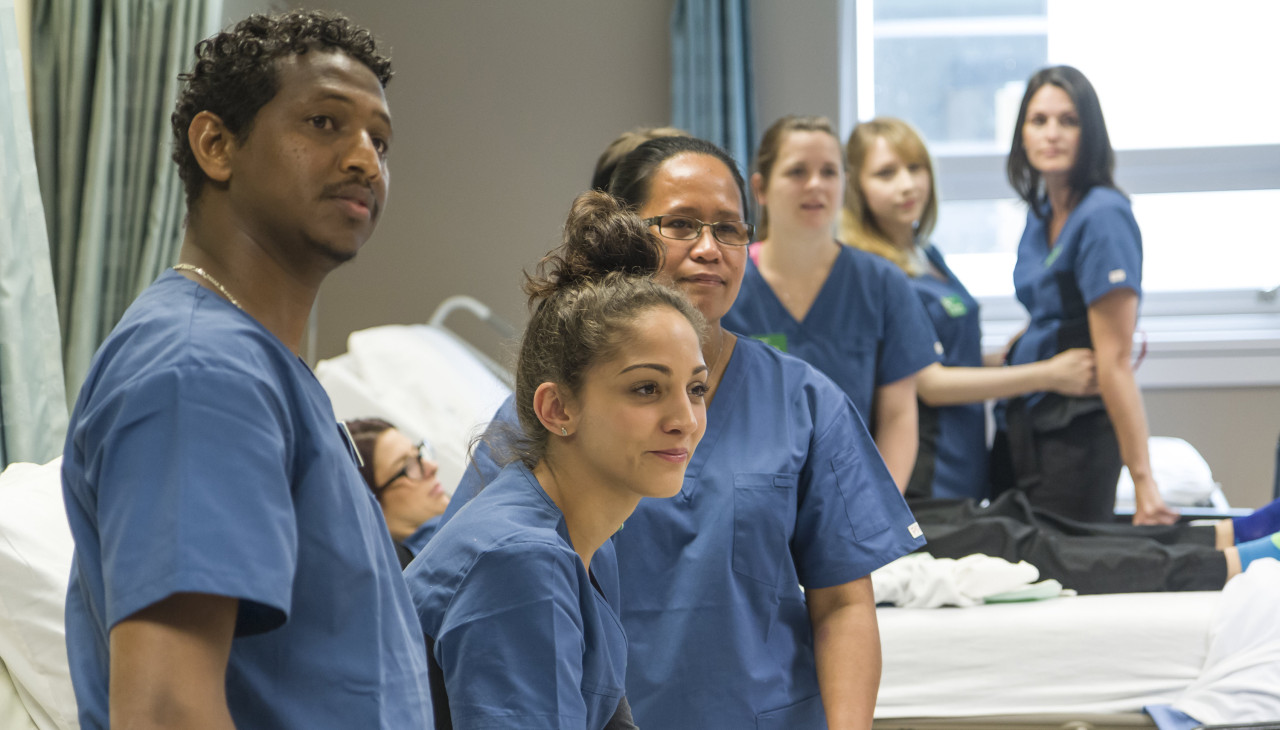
1085	662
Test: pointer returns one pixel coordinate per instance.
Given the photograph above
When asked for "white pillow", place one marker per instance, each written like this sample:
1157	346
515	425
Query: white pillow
35	565
1181	472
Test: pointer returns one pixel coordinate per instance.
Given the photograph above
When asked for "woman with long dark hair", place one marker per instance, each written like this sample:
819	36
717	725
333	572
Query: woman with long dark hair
1079	274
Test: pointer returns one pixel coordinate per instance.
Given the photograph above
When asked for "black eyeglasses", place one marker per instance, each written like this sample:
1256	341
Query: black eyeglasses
413	468
684	228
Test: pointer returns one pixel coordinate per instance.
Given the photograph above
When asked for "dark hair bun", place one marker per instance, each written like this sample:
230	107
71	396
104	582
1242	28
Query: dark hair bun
600	237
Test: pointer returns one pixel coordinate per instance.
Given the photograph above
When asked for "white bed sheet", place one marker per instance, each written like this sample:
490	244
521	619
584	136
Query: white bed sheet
35	562
1081	654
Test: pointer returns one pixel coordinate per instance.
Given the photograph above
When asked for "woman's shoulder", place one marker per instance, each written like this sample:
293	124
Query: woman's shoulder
872	269
770	373
513	509
510	530
1103	199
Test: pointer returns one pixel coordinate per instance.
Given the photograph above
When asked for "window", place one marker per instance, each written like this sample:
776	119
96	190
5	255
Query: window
1188	104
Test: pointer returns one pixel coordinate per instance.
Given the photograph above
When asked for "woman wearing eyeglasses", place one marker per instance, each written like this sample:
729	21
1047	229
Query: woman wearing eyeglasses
848	313
786	490
402	477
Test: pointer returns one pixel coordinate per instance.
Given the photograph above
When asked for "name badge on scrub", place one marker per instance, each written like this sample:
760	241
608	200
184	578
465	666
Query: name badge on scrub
954	306
774	339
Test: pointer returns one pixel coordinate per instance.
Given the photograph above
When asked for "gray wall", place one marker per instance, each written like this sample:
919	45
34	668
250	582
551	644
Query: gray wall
796	49
500	110
1234	429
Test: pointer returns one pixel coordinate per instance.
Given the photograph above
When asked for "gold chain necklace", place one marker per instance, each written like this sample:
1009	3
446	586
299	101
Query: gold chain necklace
719	351
205	275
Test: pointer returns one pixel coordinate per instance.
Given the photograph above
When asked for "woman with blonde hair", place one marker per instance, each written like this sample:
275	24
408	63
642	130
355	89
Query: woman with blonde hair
849	314
890	209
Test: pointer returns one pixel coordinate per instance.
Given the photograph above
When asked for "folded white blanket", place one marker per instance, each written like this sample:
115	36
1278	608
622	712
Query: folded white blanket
923	581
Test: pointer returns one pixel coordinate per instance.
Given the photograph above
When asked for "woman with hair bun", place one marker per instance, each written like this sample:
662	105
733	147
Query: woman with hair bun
786	490
610	388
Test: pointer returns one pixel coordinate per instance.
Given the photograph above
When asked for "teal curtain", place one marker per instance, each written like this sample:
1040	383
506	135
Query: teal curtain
104	84
33	406
712	92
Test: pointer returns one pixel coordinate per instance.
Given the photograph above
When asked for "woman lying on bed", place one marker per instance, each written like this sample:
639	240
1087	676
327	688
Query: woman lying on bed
402	477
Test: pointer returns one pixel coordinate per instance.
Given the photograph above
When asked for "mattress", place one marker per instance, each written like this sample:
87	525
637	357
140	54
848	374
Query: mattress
1075	655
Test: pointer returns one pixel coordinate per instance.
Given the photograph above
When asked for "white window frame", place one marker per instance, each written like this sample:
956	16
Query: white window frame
1194	339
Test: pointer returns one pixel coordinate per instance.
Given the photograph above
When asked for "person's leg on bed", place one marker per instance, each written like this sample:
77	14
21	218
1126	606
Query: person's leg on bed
1260	523
1263	547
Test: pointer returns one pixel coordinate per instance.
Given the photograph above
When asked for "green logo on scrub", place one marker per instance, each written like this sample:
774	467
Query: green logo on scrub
776	339
1053	256
954	306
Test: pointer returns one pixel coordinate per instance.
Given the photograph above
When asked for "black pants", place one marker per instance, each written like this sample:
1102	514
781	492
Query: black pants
1090	558
1063	454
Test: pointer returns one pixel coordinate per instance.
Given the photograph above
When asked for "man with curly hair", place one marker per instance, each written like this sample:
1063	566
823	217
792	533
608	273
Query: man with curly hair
231	568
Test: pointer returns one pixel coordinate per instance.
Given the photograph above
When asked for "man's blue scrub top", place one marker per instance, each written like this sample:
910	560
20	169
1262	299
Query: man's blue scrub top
786	489
1099	250
203	456
865	328
523	637
954	436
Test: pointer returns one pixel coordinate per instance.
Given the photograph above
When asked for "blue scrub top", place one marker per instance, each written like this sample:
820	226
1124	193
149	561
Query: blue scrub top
954	437
418	540
522	636
1098	250
786	489
865	328
203	456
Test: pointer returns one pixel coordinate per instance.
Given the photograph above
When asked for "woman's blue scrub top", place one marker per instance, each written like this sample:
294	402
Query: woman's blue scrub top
523	637
865	329
786	489
953	438
1099	250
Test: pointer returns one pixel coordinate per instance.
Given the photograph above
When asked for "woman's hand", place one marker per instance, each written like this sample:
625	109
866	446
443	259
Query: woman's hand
1073	372
1150	507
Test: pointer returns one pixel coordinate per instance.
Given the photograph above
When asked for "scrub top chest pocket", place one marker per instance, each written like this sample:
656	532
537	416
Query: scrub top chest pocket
764	513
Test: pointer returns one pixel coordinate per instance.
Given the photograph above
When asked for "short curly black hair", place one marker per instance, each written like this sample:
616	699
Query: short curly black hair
236	74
